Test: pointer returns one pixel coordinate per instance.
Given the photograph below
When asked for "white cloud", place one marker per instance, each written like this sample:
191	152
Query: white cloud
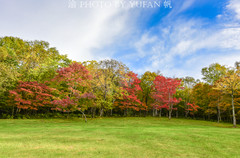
180	6
77	32
178	52
234	5
186	5
141	45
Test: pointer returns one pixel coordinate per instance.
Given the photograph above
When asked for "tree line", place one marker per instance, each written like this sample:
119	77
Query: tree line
36	81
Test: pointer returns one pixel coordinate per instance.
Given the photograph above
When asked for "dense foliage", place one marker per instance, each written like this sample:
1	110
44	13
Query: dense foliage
36	81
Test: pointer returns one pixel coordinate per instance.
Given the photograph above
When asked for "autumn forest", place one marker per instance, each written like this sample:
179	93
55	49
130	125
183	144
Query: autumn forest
36	81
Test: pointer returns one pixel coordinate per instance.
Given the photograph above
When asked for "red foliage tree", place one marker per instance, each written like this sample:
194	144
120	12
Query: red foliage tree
74	88
131	90
165	88
31	95
192	107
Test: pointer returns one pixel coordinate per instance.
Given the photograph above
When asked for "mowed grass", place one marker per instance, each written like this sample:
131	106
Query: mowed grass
118	137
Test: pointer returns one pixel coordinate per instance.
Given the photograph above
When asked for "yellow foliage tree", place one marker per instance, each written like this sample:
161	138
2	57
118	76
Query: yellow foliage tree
230	84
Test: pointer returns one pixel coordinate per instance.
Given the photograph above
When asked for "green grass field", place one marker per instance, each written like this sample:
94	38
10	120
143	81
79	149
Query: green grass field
118	137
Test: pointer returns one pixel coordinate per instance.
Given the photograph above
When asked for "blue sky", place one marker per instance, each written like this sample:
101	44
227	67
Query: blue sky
178	41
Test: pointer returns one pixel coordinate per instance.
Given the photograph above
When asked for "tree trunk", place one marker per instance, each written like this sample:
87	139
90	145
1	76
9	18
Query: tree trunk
101	112
145	113
170	109
170	114
187	111
93	112
219	114
233	111
68	115
13	112
125	112
177	114
208	114
84	116
160	113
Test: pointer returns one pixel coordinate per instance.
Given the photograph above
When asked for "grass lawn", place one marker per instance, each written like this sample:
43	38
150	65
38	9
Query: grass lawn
118	137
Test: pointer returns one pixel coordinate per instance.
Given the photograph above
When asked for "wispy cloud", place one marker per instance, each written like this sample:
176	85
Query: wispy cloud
184	46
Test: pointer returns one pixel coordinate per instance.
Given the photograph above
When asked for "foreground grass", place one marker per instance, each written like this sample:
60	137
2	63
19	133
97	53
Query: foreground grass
118	137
